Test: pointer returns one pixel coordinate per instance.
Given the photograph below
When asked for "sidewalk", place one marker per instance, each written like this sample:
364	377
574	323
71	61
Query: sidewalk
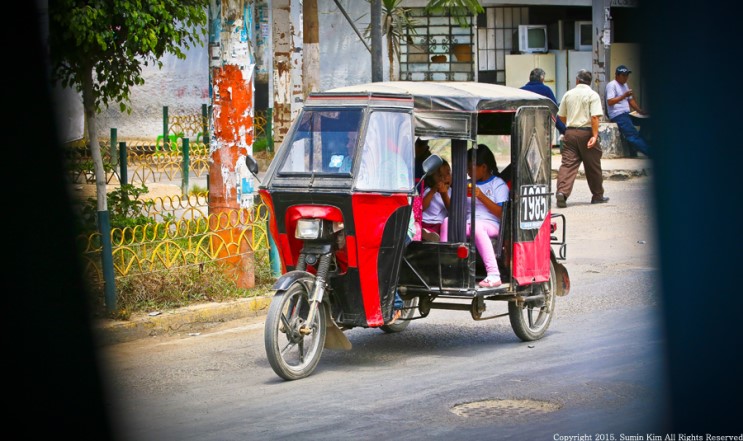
194	319
615	169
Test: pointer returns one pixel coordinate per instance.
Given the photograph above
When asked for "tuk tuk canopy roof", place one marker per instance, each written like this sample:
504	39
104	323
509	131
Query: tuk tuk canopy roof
451	108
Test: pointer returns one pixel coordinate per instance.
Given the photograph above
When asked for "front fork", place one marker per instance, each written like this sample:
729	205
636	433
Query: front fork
318	291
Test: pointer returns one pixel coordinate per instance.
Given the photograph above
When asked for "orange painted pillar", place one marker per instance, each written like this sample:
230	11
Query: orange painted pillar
231	185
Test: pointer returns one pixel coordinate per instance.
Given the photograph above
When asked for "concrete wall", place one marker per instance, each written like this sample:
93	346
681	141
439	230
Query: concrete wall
612	143
183	85
344	59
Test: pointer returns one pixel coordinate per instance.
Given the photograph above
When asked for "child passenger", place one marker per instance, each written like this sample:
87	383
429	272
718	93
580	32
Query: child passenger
490	193
436	198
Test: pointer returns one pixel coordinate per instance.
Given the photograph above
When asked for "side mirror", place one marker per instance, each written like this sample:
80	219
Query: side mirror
252	164
431	164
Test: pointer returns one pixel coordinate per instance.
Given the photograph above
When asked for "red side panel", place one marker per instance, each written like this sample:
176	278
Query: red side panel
371	213
531	260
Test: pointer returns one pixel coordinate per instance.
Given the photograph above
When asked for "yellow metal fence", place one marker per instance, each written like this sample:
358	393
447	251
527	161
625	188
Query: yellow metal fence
189	236
182	232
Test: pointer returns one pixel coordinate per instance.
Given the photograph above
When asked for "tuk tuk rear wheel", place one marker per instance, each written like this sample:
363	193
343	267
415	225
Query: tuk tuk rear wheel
294	346
530	320
408	309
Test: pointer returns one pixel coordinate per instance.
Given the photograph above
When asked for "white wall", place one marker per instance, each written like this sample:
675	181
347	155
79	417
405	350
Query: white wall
344	60
182	85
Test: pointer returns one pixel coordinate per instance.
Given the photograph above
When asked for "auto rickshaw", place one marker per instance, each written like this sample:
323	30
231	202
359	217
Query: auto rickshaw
340	192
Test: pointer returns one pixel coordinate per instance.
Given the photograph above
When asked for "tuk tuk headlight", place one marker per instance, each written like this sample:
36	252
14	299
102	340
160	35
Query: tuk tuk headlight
308	229
312	229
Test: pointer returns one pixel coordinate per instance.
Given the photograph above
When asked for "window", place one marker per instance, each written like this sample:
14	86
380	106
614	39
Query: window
495	38
441	49
324	142
387	156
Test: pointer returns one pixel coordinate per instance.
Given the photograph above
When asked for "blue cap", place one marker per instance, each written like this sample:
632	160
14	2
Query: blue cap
622	69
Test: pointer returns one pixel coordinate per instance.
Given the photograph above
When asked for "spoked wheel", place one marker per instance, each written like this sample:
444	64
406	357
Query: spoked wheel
408	309
293	345
530	320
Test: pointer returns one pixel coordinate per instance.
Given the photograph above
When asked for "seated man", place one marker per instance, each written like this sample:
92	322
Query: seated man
619	100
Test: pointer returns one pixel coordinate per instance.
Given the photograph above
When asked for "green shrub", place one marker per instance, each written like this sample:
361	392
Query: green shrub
197	189
124	207
260	144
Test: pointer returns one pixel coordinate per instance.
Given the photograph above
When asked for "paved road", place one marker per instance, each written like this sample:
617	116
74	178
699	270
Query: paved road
600	370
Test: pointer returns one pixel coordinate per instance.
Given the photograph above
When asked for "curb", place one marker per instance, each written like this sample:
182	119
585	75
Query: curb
611	175
183	320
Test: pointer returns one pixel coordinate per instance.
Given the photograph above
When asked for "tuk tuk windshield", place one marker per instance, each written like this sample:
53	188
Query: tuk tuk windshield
324	142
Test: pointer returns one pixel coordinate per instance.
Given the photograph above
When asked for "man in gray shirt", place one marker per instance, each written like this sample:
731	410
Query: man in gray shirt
619	102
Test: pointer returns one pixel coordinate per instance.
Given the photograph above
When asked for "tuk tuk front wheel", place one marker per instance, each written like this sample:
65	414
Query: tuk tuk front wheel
530	320
294	346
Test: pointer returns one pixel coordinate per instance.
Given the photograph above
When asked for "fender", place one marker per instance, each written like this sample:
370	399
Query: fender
562	283
335	338
287	279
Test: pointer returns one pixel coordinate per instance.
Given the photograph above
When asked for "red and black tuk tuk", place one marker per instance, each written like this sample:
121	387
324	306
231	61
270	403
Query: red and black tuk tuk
340	193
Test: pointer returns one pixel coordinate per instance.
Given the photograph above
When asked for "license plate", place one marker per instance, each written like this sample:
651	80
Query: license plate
534	207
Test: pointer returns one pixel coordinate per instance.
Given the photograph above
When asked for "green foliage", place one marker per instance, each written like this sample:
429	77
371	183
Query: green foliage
171	143
196	190
260	144
86	166
124	206
459	9
100	46
396	25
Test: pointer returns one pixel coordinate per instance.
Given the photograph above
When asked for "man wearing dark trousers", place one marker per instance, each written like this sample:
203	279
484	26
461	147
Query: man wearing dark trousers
580	110
536	85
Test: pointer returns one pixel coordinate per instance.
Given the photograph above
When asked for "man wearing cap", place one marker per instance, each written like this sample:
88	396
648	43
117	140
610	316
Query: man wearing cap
581	110
619	103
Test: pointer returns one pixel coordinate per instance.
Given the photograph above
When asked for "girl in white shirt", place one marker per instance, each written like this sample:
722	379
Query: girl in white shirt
490	193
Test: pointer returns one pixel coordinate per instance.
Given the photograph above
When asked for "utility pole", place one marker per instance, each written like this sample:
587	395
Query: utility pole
287	81
601	17
231	72
376	37
310	48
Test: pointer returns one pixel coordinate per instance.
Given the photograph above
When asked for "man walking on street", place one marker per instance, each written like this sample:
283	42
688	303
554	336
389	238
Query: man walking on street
619	101
580	110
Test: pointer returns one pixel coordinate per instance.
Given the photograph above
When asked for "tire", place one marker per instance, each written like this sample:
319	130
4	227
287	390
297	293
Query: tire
408	309
530	321
291	354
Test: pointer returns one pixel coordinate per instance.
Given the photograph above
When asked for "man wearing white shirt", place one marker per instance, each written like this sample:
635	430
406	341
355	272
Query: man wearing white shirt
619	102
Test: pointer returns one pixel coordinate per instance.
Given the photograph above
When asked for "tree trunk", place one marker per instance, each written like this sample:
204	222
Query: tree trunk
391	54
95	148
230	182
